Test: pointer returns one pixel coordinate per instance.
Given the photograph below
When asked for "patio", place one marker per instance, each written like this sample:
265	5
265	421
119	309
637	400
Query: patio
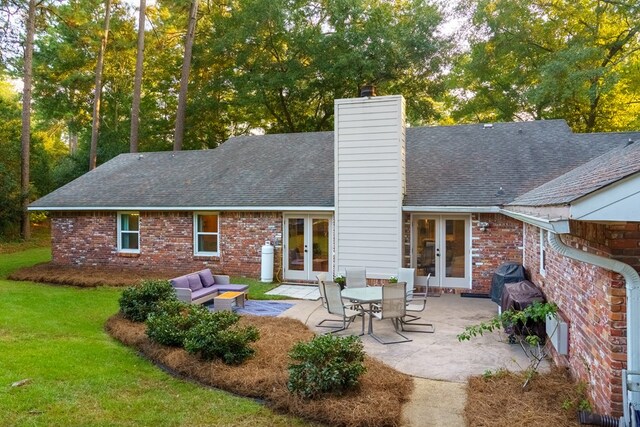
440	355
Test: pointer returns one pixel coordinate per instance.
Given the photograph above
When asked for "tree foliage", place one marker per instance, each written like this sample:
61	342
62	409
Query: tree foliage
534	59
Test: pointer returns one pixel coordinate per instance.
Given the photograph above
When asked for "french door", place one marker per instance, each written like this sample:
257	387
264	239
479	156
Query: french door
307	243
441	246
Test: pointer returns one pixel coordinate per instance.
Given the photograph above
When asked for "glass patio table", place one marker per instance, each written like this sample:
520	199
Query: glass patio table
368	295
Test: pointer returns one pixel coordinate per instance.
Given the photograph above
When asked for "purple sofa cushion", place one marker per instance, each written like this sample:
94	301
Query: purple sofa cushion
180	282
202	292
206	277
194	281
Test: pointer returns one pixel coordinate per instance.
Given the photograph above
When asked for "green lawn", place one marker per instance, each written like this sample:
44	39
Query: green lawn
53	336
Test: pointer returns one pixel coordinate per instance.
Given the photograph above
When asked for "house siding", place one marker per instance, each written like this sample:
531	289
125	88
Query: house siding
592	300
369	183
166	241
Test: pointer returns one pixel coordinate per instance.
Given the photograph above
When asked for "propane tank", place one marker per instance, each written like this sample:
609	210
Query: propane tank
267	263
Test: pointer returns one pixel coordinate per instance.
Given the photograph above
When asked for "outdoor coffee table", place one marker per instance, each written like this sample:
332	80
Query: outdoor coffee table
228	300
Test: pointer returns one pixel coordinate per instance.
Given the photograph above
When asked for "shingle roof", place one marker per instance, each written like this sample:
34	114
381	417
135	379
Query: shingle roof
253	171
466	165
446	166
587	178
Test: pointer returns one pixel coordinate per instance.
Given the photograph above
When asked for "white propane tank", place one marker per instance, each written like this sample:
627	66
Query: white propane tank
267	263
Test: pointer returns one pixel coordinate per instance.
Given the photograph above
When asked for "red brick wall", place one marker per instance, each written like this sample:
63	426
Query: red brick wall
592	299
499	243
166	241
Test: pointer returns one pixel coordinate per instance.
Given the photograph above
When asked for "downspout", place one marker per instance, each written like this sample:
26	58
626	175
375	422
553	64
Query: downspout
632	281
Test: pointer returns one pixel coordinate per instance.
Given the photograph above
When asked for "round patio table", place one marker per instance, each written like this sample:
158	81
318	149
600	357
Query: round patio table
368	295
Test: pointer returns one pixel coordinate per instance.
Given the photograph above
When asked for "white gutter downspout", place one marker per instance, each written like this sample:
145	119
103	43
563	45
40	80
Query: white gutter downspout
632	280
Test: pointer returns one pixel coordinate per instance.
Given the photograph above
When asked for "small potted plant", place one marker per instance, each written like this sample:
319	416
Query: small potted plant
340	280
393	279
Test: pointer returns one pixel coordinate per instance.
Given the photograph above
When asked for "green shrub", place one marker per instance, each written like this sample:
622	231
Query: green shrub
216	335
327	364
169	324
137	302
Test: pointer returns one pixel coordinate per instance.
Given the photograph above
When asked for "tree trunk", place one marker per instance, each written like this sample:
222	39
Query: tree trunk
73	142
98	89
25	229
137	83
184	79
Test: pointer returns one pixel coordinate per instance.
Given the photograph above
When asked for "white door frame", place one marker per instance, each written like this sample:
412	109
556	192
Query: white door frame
440	239
307	273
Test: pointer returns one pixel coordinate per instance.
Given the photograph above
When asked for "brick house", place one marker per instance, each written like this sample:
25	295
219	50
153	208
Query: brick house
452	201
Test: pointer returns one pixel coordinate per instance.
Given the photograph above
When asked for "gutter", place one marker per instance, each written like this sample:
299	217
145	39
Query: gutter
185	208
632	283
556	226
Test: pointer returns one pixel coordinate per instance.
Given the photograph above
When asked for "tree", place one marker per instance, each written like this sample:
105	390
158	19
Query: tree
26	118
184	78
137	85
282	72
10	166
537	59
93	154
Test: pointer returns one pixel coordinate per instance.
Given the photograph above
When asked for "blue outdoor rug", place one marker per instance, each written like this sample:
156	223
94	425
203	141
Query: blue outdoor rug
262	308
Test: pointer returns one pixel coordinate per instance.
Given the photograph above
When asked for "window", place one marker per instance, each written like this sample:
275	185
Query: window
129	232
206	234
543	252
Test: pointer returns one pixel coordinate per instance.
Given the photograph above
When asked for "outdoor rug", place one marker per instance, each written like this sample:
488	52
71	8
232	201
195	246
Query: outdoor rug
261	308
309	292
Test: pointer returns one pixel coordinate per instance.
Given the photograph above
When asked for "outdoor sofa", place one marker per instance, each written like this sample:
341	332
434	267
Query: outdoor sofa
202	286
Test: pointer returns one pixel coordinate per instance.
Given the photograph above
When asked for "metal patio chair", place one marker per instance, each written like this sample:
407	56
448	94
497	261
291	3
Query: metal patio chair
336	306
356	277
393	307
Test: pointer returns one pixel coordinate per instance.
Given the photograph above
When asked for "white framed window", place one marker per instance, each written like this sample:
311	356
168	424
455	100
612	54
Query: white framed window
129	232
206	239
543	252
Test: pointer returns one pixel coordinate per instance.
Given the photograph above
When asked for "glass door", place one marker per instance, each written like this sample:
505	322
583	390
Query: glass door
307	246
441	247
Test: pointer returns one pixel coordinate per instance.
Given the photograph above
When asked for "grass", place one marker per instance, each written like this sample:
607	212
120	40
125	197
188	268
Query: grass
78	375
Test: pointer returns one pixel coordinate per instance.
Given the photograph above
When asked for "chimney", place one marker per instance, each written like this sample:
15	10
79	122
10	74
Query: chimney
369	162
367	91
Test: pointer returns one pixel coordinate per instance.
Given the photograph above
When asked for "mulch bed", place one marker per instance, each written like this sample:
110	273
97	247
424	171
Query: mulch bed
88	277
377	401
551	399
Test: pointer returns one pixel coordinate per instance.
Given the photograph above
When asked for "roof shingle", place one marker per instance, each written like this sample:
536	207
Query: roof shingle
462	165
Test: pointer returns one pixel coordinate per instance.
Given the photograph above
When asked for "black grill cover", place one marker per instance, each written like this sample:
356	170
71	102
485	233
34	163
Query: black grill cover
520	295
509	272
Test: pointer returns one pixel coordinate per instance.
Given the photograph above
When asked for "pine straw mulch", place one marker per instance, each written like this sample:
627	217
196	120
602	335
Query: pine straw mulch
377	401
87	277
500	401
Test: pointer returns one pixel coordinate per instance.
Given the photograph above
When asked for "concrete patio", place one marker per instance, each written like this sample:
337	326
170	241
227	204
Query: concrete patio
440	355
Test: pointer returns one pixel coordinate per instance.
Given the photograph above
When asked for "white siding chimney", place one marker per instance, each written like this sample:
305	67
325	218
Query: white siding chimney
369	183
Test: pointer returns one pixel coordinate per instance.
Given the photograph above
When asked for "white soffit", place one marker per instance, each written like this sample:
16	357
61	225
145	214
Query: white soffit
619	201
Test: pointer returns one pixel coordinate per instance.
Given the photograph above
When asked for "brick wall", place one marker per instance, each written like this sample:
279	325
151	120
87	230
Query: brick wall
592	300
500	242
166	241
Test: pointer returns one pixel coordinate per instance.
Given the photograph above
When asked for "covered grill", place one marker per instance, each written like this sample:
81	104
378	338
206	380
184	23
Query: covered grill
509	272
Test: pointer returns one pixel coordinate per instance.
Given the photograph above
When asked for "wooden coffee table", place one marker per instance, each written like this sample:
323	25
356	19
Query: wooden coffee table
228	300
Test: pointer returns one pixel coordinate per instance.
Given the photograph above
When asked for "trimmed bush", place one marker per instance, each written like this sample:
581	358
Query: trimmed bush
137	302
217	335
327	364
169	324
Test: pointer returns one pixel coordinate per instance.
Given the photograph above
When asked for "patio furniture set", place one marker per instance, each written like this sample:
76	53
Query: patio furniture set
393	301
203	286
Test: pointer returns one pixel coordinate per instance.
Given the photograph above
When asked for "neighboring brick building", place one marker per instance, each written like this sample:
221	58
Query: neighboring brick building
454	202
